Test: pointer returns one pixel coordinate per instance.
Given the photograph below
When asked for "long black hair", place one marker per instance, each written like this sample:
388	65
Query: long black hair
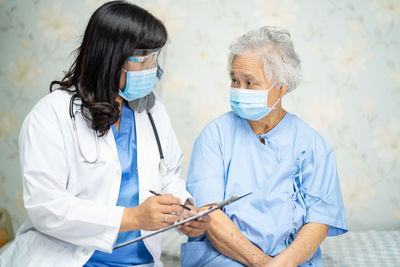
114	31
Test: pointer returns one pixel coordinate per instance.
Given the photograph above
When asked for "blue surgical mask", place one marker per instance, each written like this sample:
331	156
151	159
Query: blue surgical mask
251	104
139	84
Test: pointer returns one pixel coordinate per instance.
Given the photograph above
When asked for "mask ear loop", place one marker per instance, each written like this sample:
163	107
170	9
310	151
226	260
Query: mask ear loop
266	95
279	99
276	103
272	86
126	80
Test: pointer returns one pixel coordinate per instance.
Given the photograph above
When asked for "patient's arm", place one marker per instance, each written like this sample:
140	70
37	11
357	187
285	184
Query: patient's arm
228	240
307	241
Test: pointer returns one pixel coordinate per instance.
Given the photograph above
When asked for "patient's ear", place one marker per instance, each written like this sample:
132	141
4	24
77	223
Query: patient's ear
283	90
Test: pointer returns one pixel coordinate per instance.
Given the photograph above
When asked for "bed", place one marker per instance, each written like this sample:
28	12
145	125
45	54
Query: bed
370	248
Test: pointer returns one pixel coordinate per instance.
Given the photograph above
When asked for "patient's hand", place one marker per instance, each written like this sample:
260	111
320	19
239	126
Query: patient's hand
196	227
278	261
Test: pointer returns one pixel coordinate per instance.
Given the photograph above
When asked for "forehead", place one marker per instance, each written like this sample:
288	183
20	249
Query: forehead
248	64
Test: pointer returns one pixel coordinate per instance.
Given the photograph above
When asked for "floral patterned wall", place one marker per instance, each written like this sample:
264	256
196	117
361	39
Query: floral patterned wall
350	52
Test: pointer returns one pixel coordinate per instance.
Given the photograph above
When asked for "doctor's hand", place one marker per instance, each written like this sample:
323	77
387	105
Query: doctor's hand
153	214
196	227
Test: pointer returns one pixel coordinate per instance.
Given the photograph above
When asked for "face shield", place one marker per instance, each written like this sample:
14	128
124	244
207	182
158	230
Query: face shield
142	74
145	58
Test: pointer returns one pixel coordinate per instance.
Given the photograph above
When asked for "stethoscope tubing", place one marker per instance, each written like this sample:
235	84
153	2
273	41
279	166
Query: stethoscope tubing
163	168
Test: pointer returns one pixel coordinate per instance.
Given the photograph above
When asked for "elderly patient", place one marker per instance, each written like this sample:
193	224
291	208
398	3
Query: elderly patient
260	148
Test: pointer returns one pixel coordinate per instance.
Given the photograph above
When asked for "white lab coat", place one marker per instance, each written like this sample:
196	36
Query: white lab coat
71	205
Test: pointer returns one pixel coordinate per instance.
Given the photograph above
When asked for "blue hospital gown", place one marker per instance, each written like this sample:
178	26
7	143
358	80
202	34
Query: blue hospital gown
293	178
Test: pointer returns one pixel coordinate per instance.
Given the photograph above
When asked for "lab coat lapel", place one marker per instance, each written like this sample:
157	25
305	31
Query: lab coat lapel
147	156
147	162
110	141
141	150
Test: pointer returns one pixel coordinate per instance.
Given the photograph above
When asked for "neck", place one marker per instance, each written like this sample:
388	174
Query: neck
120	101
266	124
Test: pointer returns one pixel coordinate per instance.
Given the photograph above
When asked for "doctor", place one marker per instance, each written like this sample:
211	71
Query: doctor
93	147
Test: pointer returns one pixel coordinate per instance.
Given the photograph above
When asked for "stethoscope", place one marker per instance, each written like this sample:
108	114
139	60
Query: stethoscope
163	167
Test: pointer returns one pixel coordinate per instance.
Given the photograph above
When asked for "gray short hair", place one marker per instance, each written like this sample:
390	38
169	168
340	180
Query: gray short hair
281	63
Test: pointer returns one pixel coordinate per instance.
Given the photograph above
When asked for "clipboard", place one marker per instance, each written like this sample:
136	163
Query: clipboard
211	209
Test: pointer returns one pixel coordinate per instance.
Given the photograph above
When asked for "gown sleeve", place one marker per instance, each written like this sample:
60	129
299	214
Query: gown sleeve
321	188
206	172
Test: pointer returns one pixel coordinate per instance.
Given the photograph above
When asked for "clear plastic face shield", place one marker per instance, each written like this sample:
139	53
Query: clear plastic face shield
142	59
141	71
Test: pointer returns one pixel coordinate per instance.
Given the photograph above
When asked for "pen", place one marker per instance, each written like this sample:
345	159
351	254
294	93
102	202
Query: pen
158	194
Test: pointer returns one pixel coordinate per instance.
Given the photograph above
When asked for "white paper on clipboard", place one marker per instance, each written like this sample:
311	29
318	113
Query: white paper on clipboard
215	207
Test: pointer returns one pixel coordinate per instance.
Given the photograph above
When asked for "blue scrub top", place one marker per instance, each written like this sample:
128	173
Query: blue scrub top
136	253
293	178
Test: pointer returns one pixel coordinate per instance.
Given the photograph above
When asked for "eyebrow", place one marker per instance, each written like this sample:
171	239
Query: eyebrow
249	77
246	76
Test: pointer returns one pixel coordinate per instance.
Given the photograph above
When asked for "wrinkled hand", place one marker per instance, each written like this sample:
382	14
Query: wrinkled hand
151	214
196	227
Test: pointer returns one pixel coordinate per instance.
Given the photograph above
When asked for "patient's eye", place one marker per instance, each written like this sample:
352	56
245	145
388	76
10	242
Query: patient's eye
250	83
234	81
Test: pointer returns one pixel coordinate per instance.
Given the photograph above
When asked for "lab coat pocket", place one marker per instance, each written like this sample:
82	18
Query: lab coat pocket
94	181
